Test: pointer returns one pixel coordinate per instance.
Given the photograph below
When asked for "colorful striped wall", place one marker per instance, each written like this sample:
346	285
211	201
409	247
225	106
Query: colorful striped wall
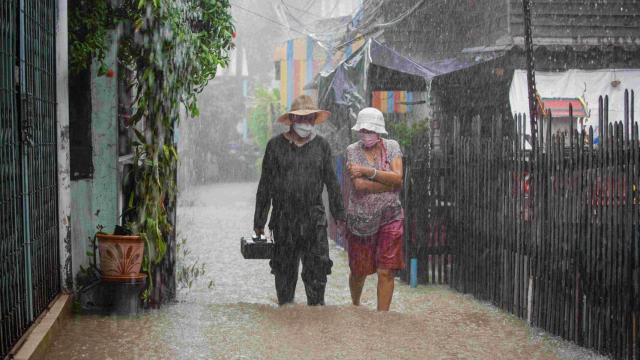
392	101
300	60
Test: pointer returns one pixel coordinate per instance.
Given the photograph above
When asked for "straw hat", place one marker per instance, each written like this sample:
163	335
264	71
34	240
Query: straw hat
370	119
304	105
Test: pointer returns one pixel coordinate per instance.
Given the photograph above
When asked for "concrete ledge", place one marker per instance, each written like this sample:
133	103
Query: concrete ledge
37	339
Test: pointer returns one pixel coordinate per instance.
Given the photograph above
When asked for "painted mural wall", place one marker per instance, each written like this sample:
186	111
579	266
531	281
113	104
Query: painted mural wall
299	60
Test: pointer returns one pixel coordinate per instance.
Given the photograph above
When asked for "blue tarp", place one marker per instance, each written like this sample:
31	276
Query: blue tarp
346	83
383	56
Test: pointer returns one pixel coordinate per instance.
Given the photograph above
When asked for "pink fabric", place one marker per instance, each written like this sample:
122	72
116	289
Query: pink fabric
367	212
384	250
369	139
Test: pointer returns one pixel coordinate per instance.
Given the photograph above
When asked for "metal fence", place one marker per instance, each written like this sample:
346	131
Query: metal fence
550	234
29	253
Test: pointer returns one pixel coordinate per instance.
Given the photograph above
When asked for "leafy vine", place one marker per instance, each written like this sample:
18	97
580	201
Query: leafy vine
173	48
89	25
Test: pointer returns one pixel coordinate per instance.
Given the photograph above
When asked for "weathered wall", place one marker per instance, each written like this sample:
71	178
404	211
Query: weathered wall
95	199
62	117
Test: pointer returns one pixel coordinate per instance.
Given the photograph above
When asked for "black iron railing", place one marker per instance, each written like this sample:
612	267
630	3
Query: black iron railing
550	233
29	251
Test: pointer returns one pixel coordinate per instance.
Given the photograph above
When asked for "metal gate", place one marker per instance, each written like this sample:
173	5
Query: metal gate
29	252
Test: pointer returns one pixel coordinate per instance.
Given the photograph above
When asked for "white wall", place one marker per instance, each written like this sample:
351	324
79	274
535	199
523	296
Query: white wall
573	83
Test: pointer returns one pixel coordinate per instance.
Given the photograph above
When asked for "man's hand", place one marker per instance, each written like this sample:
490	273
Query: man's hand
259	231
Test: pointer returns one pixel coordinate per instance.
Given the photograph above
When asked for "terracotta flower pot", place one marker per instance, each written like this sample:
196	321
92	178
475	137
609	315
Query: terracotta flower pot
120	256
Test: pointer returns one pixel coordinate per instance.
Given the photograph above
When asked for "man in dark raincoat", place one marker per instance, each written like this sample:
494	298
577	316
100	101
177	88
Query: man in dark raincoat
296	166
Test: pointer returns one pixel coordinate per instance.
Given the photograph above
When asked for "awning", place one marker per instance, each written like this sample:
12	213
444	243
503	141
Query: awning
347	81
559	107
386	57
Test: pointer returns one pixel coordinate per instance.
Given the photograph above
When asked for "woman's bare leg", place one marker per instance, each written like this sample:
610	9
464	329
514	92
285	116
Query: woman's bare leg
356	283
385	289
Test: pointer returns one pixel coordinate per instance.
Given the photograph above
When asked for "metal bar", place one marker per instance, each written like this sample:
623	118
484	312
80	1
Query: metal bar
578	247
25	161
626	115
29	272
43	158
13	320
531	72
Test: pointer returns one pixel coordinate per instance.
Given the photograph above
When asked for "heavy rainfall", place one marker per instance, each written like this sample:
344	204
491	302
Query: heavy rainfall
320	179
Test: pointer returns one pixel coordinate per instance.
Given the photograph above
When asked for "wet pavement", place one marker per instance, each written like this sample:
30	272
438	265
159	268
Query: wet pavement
231	312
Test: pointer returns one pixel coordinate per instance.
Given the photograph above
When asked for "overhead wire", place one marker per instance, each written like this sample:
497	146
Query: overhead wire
313	35
334	7
308	6
268	19
305	9
380	26
372	29
288	11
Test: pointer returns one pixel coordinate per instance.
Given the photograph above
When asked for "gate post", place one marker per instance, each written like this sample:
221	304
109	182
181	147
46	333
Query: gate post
62	128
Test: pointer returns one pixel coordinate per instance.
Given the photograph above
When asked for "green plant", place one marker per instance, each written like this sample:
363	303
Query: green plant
262	115
89	274
189	268
173	48
172	62
404	133
89	25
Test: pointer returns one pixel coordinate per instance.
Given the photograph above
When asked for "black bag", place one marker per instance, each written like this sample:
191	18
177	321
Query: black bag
256	248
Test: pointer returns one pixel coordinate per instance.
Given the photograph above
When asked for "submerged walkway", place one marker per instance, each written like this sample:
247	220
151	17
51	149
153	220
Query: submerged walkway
237	317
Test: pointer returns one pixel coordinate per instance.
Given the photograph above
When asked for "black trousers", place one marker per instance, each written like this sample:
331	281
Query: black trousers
310	245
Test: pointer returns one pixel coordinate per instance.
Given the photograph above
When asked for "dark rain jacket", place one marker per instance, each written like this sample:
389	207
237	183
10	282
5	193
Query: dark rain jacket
292	181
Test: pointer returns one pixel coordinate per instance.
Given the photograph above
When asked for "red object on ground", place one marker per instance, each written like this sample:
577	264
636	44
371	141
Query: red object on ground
110	73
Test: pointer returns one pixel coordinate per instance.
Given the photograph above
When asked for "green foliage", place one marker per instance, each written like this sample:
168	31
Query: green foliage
89	24
90	274
173	48
404	133
262	115
189	268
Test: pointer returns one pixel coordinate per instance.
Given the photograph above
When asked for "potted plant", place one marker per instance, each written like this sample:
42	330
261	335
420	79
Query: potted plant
121	255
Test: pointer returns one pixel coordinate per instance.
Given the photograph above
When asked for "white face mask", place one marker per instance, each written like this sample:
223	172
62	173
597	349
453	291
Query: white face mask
304	130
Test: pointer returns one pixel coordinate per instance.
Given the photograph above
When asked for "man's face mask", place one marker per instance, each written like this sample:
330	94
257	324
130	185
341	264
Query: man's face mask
303	125
304	130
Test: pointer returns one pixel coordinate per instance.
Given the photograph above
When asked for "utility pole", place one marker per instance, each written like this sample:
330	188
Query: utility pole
531	72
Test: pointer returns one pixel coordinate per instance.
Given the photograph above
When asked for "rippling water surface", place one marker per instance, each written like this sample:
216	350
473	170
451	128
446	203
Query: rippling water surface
237	318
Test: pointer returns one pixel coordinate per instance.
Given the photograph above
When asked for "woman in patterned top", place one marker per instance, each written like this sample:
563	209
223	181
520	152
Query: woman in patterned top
374	214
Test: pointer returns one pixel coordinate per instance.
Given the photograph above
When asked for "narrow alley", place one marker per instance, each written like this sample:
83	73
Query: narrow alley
237	317
480	158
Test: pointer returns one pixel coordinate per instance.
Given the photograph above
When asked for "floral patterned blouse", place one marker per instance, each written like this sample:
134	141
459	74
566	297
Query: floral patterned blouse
367	212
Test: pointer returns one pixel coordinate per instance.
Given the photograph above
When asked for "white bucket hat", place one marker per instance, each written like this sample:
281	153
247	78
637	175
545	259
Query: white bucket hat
370	119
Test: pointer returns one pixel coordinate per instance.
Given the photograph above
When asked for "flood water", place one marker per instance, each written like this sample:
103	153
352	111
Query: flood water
237	316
